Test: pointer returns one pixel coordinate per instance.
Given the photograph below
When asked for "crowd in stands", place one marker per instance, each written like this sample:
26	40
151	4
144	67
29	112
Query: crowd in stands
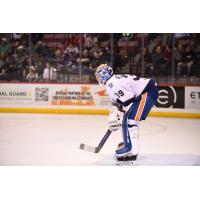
185	58
52	57
50	63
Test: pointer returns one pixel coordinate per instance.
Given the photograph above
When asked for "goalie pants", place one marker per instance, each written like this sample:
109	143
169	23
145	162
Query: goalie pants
137	112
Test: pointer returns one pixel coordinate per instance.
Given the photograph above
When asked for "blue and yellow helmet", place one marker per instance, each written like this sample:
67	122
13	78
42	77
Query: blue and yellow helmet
103	73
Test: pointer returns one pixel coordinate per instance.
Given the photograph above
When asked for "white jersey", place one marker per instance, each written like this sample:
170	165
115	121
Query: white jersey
122	88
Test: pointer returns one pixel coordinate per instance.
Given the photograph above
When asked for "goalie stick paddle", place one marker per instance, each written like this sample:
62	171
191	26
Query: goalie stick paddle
99	147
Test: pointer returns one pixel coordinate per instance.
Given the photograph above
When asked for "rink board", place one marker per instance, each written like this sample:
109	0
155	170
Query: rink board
174	100
92	112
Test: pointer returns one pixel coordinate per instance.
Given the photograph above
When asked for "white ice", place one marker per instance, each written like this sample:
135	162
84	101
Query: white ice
41	139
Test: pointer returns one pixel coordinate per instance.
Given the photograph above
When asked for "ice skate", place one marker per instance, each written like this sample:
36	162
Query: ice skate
128	156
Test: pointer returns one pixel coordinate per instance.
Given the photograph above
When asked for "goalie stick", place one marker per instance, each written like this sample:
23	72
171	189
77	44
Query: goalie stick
99	147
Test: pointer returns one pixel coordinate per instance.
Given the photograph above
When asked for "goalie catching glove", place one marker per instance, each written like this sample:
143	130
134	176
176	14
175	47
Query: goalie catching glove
114	122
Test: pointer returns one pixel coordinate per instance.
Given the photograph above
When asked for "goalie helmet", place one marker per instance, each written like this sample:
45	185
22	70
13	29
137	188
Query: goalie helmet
103	73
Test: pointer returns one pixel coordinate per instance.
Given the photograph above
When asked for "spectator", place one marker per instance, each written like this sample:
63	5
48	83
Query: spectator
184	58
157	56
12	72
50	73
32	76
58	54
39	64
3	75
41	49
90	41
179	53
4	48
167	53
121	59
2	61
71	49
159	61
96	59
106	54
20	59
85	59
147	55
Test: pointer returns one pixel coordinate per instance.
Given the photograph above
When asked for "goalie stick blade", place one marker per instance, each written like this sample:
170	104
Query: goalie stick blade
99	147
88	148
82	146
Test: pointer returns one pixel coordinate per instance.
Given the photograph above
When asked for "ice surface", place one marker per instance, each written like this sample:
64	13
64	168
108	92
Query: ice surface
40	139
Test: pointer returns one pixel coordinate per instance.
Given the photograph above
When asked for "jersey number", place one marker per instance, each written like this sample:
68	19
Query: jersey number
119	93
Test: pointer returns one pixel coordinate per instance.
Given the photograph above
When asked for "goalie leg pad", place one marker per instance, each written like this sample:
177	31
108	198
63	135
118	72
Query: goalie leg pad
134	134
130	132
126	138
